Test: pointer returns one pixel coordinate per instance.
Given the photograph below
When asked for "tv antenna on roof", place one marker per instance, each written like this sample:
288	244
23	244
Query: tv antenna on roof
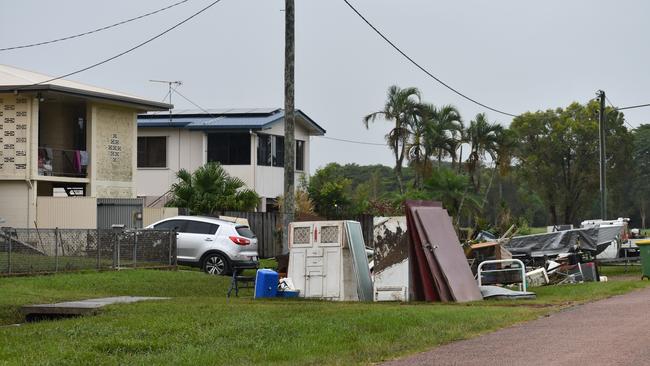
171	84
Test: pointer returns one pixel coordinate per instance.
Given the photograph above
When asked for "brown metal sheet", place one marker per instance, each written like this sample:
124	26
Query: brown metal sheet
422	279
439	280
421	286
439	234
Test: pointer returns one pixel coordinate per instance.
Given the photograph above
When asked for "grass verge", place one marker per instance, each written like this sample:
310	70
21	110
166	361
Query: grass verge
199	325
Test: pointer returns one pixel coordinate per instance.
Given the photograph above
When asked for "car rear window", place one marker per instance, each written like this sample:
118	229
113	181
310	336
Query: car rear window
199	227
245	232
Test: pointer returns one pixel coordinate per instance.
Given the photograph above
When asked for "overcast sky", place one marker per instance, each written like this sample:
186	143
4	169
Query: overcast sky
513	55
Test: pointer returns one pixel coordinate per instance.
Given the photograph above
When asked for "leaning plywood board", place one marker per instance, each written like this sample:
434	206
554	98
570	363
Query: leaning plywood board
443	241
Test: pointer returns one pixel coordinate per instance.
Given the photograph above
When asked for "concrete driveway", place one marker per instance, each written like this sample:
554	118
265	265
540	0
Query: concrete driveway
614	331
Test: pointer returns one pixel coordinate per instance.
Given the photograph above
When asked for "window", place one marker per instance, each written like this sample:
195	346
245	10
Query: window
152	152
245	232
229	148
177	225
300	155
199	227
270	150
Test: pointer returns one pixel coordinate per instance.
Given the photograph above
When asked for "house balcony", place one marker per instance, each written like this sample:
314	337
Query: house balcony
67	163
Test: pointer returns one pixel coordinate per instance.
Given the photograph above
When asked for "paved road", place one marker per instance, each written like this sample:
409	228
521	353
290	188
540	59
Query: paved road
615	331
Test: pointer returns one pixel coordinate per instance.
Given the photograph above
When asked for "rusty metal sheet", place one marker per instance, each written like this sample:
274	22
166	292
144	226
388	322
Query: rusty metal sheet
440	238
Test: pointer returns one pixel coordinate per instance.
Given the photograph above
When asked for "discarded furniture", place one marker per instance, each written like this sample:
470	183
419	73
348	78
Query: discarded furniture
520	269
327	260
240	281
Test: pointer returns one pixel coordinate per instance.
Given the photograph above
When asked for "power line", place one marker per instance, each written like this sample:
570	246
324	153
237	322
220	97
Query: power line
633	106
421	67
194	104
616	109
94	30
352	141
132	48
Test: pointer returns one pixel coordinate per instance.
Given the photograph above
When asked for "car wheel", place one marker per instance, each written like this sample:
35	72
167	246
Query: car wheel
215	264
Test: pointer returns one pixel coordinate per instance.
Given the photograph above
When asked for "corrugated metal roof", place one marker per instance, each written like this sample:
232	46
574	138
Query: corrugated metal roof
221	111
12	78
232	119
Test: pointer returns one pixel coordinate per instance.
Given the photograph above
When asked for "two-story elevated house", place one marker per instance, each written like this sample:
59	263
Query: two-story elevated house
63	138
248	143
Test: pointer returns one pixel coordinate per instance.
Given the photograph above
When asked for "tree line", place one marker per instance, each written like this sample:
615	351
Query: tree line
540	170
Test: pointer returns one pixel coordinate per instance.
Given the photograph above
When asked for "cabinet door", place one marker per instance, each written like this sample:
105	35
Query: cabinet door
329	234
332	281
297	268
314	286
302	235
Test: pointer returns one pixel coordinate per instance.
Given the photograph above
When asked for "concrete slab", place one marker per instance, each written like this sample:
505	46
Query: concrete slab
83	307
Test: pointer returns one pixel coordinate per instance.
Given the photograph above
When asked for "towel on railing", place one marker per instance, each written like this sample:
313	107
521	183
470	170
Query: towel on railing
76	161
83	155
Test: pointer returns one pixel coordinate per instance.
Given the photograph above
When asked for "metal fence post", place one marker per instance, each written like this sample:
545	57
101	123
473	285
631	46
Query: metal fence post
171	232
9	253
135	247
118	250
56	249
98	247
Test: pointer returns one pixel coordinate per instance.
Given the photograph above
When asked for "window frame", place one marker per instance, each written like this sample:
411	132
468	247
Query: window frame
166	144
300	143
275	157
218	148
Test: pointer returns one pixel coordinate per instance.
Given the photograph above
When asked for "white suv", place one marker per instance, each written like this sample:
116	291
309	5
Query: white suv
216	246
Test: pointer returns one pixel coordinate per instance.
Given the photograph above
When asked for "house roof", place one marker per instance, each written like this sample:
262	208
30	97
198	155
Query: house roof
225	119
15	79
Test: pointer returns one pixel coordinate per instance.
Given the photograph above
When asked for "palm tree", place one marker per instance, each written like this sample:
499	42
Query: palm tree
416	150
210	189
401	107
483	138
445	131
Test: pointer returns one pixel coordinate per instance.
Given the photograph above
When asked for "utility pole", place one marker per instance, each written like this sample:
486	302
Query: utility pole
289	123
601	143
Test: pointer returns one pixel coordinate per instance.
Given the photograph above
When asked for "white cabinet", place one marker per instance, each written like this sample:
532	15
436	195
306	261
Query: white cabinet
319	261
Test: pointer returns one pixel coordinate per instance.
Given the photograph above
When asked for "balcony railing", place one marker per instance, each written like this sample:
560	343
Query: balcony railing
63	162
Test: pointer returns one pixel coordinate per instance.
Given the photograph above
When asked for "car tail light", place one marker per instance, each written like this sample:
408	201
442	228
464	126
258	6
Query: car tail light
239	240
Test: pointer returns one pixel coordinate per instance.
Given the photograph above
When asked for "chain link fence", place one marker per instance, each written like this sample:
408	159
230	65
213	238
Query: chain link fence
32	251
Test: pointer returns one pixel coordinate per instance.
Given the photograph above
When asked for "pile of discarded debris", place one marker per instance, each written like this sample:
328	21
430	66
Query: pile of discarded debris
418	257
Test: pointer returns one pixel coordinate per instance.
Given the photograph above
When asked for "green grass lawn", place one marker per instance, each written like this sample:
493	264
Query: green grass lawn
199	325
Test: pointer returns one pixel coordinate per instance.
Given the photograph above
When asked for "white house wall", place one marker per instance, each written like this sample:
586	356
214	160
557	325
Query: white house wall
185	150
266	181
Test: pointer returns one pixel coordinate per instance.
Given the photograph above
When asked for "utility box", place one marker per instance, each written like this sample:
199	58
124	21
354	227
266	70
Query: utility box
266	283
328	260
